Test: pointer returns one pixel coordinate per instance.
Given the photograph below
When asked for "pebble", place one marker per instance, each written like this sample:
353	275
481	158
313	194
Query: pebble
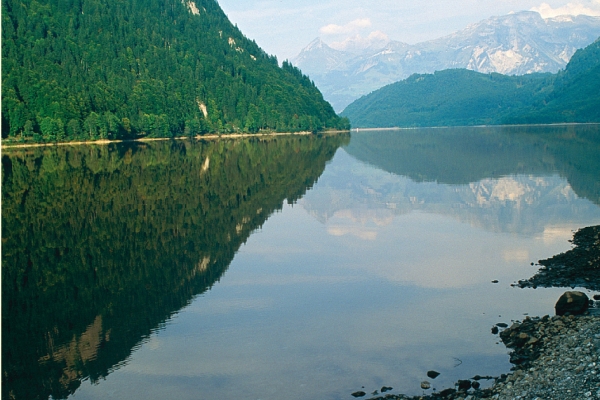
560	367
433	374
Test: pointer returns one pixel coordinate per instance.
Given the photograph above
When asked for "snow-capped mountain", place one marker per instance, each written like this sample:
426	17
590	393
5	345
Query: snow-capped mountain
513	44
319	58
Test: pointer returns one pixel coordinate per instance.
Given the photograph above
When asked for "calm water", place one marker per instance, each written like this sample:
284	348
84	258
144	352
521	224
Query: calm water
291	268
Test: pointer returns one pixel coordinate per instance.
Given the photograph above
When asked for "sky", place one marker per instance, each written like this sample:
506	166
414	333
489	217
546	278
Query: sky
285	27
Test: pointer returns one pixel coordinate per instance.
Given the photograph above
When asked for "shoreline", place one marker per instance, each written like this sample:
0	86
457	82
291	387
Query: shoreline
215	136
553	358
406	128
566	366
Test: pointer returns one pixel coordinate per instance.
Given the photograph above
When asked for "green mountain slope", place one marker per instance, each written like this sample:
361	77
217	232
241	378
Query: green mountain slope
463	97
105	68
575	93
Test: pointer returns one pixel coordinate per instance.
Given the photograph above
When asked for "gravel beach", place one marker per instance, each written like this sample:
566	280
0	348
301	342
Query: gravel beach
554	358
567	365
559	359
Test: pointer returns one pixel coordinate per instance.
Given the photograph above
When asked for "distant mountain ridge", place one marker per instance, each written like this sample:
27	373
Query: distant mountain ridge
513	44
458	97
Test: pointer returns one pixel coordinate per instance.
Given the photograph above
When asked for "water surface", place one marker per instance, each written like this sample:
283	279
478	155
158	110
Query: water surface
284	268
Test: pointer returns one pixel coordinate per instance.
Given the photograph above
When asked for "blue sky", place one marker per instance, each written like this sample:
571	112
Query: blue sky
284	27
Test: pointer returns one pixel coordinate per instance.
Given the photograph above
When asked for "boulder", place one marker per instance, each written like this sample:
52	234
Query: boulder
573	303
464	384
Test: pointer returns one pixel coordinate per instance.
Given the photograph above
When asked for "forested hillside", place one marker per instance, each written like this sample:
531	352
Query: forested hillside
463	97
90	69
575	92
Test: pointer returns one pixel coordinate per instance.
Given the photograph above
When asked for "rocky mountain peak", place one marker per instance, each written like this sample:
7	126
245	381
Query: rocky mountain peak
514	44
315	44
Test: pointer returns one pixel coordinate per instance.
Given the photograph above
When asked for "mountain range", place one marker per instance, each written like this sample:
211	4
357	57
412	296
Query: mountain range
458	97
514	44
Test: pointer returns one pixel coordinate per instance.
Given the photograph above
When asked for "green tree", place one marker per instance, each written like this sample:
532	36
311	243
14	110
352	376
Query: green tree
73	128
28	130
52	128
91	125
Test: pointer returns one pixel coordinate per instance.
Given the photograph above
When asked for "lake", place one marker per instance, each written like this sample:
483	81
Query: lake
289	267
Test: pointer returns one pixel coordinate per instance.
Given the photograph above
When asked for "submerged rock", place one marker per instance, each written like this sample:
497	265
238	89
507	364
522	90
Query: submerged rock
433	374
573	303
447	392
464	384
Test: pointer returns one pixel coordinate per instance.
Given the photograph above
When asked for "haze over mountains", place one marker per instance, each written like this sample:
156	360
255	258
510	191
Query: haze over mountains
459	97
513	44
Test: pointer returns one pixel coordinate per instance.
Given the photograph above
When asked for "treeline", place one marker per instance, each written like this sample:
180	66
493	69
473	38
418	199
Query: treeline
462	97
102	244
92	69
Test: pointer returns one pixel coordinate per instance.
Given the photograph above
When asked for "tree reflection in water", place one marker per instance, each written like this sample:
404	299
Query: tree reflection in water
101	245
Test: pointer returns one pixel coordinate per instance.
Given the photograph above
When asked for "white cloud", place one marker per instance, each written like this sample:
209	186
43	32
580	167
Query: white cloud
284	27
353	36
376	39
350	27
576	8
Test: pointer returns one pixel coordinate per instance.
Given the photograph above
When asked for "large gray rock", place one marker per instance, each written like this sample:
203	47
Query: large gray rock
572	302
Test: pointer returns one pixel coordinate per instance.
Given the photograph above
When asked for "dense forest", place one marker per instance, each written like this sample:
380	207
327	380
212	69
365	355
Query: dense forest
102	244
104	69
462	97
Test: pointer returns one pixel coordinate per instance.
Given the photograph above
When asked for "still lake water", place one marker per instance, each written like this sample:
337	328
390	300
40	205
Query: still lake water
296	268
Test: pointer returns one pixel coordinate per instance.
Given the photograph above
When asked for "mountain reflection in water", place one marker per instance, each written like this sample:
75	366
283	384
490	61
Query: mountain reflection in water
102	245
509	179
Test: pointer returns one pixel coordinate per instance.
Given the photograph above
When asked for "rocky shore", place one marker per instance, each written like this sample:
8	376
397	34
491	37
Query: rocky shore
579	267
554	358
565	365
